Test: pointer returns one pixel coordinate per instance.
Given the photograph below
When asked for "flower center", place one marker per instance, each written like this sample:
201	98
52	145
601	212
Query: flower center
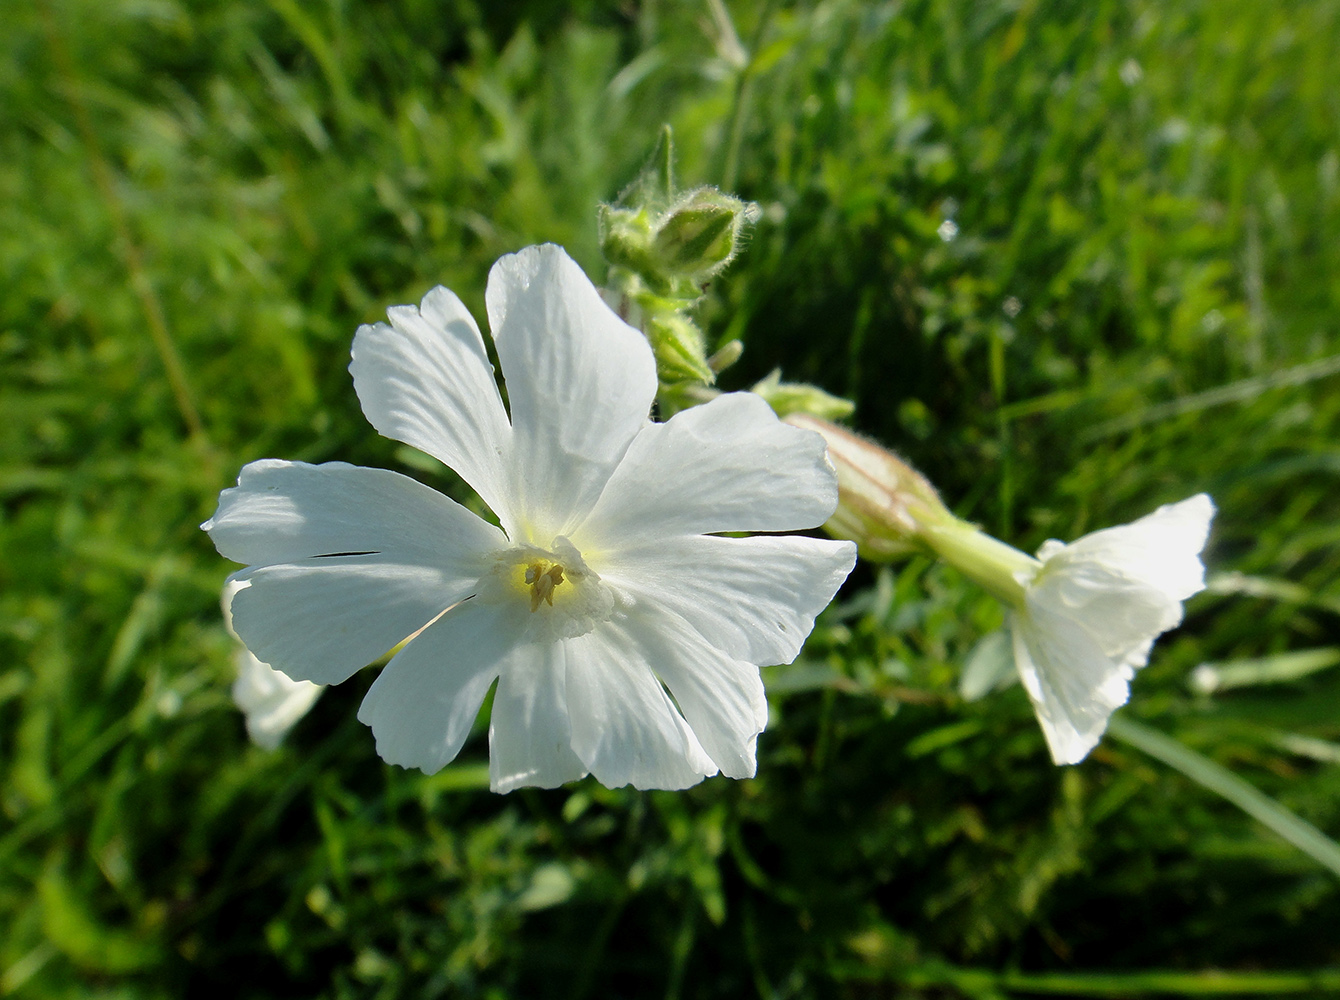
542	578
565	596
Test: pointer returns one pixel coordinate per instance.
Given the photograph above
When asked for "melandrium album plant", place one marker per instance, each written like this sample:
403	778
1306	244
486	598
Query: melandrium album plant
608	579
623	631
1082	616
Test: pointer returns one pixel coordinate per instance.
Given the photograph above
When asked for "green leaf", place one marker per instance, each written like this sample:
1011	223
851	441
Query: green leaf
1218	779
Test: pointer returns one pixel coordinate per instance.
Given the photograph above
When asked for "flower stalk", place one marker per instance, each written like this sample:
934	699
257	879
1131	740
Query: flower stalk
992	564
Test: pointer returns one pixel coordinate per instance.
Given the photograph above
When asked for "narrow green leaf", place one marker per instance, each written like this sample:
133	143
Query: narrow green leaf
1206	773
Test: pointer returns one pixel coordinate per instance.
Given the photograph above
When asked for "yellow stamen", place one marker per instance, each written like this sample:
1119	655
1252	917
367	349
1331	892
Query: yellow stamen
542	583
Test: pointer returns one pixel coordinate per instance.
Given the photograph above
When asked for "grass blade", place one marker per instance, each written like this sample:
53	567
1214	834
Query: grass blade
1206	773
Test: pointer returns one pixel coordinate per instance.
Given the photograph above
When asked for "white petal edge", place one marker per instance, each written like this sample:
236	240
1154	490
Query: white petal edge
722	698
580	383
753	598
271	701
1126	585
625	728
1161	550
425	379
728	465
1122	616
530	737
324	622
1073	686
347	562
423	704
283	512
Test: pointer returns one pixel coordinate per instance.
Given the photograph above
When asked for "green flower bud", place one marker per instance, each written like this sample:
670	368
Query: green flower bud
626	238
674	241
800	397
727	354
702	234
696	240
662	246
680	348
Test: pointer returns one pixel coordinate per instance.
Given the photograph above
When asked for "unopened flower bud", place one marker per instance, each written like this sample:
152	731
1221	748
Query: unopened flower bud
727	354
626	237
663	245
697	238
680	348
800	397
667	241
701	233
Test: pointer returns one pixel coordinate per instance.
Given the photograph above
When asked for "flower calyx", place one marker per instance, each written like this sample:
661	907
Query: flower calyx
884	505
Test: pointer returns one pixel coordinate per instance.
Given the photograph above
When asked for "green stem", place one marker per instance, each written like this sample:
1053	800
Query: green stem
731	168
1215	983
983	559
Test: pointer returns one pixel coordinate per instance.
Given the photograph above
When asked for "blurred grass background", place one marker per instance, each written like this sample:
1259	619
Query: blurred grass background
1074	259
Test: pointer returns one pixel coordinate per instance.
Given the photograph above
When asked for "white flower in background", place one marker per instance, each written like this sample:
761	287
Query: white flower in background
607	583
1091	611
271	701
1083	616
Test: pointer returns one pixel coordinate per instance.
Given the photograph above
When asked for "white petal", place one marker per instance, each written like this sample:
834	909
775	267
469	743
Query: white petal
580	383
625	728
1094	609
422	705
721	698
324	620
530	739
728	465
1161	550
426	380
271	701
1121	615
1074	687
753	598
1126	585
286	511
347	562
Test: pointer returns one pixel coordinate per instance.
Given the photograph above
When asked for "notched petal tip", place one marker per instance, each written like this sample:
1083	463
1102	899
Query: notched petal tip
424	379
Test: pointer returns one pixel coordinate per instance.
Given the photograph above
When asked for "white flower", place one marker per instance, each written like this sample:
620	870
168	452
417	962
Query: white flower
1092	610
607	582
271	701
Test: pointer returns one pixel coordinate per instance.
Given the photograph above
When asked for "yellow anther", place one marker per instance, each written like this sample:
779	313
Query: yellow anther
542	583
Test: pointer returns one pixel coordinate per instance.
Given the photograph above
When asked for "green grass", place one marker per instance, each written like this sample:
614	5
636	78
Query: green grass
200	202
